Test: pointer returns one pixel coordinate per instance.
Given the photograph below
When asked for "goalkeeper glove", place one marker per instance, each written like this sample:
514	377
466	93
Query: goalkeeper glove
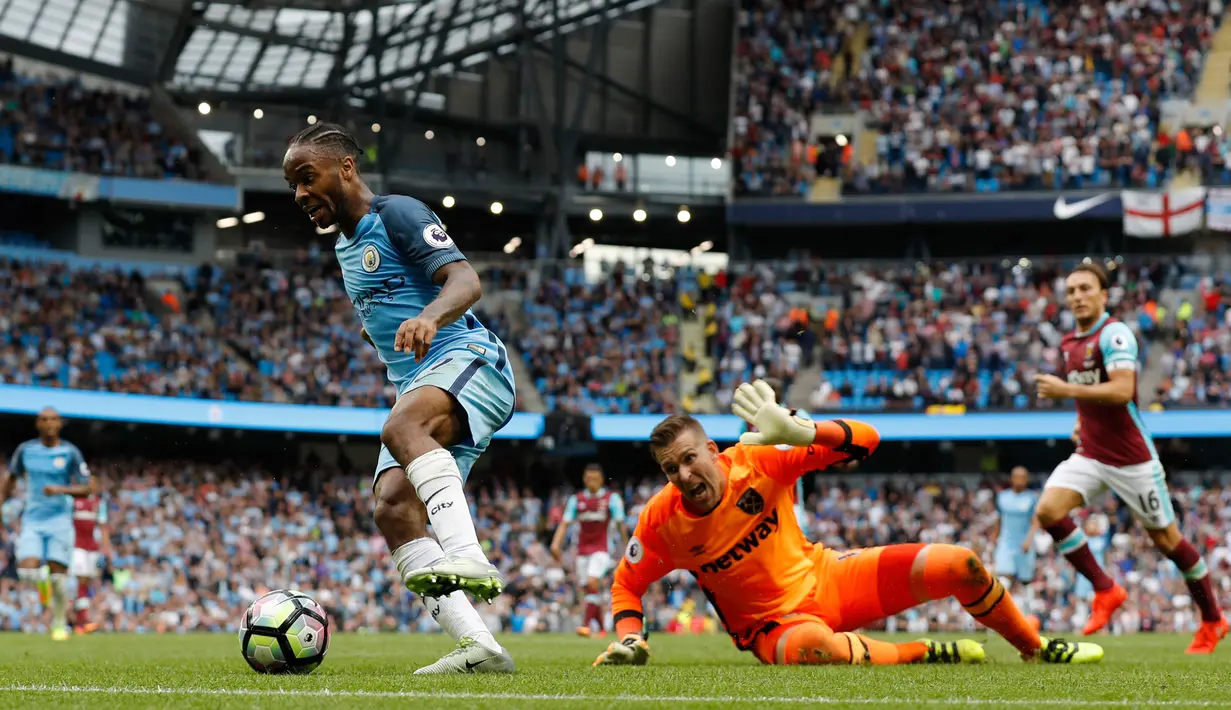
632	650
755	404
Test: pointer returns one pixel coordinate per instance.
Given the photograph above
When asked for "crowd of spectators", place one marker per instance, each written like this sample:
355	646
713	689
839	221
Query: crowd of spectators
1197	359
195	543
902	336
607	345
59	123
970	96
969	333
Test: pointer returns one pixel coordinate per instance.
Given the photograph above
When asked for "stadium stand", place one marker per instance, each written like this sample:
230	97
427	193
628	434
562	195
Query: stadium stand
60	124
885	337
195	542
971	96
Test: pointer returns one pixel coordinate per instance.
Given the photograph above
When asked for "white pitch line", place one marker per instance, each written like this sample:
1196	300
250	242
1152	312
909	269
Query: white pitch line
545	697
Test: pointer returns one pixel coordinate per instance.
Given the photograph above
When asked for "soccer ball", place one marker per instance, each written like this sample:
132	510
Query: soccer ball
284	631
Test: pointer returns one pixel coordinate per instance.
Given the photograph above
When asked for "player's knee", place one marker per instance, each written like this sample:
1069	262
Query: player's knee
398	510
1166	539
961	567
1049	513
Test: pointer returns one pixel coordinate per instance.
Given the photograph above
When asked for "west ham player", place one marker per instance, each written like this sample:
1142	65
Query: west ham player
594	510
412	289
729	518
56	473
93	544
1114	451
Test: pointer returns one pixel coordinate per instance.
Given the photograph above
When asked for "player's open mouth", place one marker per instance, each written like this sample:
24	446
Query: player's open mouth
697	491
313	211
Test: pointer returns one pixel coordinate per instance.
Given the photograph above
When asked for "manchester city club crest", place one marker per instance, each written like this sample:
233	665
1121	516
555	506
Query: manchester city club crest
751	502
371	259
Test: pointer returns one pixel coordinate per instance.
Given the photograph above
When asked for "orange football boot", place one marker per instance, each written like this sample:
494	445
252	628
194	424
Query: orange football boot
1105	604
1208	636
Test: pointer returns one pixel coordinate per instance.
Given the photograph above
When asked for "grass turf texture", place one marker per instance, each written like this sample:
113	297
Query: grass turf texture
185	672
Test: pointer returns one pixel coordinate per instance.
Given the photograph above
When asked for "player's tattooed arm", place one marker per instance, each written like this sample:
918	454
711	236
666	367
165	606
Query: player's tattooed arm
460	289
1118	390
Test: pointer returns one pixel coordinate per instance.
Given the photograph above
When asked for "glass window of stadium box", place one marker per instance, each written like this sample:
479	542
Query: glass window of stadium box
657	174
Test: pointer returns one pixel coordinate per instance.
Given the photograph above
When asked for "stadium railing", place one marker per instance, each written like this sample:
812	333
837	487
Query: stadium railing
81	187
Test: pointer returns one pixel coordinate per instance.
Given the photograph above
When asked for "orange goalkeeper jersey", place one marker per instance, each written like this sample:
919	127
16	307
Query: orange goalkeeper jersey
748	554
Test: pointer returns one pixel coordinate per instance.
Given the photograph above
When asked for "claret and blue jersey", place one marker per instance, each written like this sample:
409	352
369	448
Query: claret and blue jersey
388	268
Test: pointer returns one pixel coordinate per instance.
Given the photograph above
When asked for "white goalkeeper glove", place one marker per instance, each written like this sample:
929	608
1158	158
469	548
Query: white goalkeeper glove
632	650
755	404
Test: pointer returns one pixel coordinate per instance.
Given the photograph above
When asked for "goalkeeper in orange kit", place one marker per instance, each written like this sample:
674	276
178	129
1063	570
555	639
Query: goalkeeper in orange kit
729	518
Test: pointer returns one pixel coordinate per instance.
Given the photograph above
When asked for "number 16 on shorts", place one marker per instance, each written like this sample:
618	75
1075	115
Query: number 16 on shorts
1142	487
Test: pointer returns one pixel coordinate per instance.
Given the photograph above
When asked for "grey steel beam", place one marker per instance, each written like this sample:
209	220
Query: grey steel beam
184	21
491	44
267	36
649	105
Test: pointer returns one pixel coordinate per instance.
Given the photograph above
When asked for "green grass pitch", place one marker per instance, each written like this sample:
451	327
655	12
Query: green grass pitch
185	672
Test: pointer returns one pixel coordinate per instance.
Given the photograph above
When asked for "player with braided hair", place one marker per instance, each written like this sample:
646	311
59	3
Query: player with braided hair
413	289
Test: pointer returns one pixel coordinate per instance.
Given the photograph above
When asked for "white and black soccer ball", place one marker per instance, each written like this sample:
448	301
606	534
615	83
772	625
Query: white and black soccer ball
285	631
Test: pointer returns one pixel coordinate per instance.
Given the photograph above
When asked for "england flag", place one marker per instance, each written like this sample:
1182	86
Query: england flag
1163	214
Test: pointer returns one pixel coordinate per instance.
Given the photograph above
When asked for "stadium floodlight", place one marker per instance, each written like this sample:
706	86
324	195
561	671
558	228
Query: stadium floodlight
617	157
226	222
639	215
480	141
670	161
512	245
376	128
429	134
448	201
311	120
203	108
683	215
596	215
253	217
497	208
258	113
716	163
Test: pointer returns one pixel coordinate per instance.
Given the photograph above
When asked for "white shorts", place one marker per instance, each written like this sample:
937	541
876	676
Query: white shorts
1142	487
594	565
85	563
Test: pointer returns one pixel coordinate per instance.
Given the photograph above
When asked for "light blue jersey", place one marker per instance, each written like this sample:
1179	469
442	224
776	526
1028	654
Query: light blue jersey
47	521
1016	512
388	268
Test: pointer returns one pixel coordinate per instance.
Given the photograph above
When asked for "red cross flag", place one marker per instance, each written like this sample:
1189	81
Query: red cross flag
1163	214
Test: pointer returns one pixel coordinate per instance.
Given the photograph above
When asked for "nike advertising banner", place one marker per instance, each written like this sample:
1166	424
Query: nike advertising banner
1218	209
932	208
1163	214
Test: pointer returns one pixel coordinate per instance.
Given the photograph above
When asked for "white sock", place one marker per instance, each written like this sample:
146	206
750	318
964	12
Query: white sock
455	614
439	485
59	601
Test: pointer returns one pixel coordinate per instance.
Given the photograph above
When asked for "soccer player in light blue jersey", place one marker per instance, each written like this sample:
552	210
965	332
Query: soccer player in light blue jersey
55	472
413	289
1015	557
